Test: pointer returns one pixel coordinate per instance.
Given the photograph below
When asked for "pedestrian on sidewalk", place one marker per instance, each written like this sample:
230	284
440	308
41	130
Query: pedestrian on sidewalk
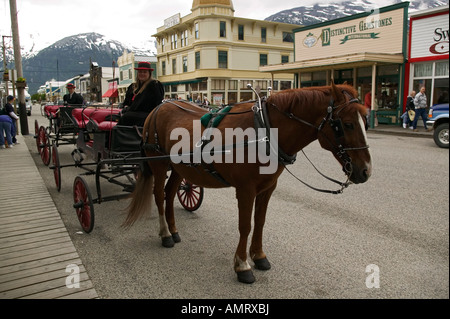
407	121
420	104
10	111
5	129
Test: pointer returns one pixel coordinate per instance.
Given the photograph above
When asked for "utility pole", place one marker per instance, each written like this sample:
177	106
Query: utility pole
18	62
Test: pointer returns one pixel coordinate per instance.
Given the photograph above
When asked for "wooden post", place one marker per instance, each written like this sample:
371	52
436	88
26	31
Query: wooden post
18	63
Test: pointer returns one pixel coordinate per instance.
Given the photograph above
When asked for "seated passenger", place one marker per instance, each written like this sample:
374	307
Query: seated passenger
142	97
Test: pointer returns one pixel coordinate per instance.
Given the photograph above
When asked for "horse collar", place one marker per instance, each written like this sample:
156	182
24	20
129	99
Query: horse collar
262	121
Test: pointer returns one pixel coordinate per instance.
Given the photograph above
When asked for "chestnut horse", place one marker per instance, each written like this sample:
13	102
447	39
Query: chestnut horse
331	114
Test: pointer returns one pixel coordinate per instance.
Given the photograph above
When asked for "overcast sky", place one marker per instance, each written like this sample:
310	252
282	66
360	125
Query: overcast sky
44	22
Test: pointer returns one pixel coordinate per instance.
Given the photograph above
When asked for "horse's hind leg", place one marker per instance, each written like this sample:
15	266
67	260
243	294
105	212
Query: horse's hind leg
160	174
171	189
256	252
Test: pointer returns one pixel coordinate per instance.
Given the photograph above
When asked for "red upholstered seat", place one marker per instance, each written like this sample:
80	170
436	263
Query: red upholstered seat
98	119
82	116
51	110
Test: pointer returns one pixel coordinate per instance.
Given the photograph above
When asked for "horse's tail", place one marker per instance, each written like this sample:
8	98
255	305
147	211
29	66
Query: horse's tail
142	196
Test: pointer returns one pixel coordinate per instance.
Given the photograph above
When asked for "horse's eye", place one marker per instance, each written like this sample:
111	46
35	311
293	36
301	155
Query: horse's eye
348	126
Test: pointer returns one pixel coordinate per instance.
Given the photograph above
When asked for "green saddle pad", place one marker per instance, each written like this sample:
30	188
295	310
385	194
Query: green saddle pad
217	117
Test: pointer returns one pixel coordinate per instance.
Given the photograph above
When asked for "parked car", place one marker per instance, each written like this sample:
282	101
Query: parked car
438	119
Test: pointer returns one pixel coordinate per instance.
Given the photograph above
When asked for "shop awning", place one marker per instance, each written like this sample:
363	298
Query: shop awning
350	59
111	93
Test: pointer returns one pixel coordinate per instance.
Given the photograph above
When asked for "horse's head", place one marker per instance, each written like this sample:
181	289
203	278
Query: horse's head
343	132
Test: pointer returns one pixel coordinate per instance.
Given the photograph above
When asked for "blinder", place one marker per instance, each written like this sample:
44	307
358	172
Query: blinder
339	133
338	129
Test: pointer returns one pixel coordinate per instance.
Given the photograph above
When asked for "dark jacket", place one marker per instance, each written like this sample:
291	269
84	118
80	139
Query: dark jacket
147	100
410	103
76	99
138	107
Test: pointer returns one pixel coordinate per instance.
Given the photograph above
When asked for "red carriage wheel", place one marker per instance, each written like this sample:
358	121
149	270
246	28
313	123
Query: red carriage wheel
44	145
190	195
56	167
83	204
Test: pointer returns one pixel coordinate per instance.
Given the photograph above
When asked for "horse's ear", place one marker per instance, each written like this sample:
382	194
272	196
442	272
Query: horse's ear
336	94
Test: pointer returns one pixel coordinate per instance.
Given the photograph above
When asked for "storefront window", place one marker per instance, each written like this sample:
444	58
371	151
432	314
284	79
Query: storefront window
218	84
246	96
365	72
389	69
342	76
244	84
275	85
320	76
434	77
203	86
441	69
285	85
423	70
313	79
217	98
261	84
364	82
306	77
232	97
388	87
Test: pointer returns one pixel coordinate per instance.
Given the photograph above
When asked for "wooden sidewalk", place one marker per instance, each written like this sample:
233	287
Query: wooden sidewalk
37	256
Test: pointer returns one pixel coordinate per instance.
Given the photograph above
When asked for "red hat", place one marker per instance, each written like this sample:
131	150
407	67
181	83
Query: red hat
144	66
70	86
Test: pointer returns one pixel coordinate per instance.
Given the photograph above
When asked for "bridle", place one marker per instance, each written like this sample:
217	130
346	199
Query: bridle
338	145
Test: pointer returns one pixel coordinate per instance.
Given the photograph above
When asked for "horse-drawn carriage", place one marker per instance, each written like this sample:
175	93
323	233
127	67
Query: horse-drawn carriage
285	122
108	151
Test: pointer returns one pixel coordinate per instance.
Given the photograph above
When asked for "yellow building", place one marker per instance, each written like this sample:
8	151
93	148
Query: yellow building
211	53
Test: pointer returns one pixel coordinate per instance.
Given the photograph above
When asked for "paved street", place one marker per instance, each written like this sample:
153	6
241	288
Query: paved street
319	245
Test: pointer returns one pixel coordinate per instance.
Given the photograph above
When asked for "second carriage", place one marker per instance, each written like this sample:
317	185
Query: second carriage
103	149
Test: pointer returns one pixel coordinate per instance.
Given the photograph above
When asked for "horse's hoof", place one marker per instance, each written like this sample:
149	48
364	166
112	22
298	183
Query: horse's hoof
262	264
176	237
168	242
246	277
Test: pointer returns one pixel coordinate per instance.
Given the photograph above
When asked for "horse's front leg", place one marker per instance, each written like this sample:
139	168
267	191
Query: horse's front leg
256	252
241	265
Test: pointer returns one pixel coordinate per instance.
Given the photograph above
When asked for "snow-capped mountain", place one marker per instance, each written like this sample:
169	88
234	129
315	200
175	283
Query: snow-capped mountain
307	15
71	56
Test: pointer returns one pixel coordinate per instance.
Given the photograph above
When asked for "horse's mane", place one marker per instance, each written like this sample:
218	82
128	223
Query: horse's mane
313	95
